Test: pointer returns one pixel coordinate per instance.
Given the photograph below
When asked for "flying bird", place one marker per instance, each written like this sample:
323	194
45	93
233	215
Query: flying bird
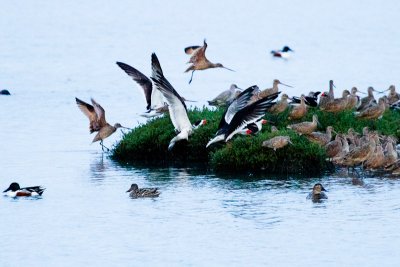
199	60
155	104
97	121
176	105
238	115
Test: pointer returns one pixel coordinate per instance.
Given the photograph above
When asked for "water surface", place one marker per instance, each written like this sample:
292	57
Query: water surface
52	52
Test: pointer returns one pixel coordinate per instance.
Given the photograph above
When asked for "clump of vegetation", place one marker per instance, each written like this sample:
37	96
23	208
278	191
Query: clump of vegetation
149	142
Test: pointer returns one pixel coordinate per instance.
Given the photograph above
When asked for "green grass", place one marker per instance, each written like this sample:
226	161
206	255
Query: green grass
148	143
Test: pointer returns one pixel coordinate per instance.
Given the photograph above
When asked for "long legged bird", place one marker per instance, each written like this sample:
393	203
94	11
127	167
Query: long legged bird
97	121
199	60
176	105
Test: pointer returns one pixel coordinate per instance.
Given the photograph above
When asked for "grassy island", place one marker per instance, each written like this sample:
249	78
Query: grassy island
147	143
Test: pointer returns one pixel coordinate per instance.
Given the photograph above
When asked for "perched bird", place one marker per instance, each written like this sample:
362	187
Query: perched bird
239	114
277	142
4	92
317	193
283	53
393	96
310	100
199	60
323	99
299	111
359	154
376	159
154	99
268	91
336	104
353	100
368	100
331	94
226	97
14	190
97	121
280	105
334	147
135	192
176	105
306	127
321	138
372	112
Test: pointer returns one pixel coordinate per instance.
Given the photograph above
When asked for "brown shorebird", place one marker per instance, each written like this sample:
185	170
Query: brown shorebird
97	121
226	97
321	138
368	100
390	155
353	100
299	111
269	91
334	147
199	60
376	159
277	142
359	154
280	105
323	100
337	104
393	96
305	127
373	112
338	159
331	94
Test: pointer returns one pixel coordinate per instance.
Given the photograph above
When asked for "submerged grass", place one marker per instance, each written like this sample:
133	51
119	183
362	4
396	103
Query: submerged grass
149	142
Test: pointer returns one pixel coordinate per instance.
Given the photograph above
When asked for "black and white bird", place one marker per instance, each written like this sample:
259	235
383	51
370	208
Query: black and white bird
176	105
154	99
14	190
239	115
310	100
283	53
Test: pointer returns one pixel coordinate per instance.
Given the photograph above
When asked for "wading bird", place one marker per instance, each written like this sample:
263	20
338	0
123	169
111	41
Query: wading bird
97	121
199	60
176	105
14	190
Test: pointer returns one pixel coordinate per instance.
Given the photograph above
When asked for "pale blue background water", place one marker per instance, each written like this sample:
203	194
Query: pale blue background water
53	51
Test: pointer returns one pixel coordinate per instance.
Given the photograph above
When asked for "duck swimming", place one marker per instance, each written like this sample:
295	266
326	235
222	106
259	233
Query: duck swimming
135	192
317	193
14	190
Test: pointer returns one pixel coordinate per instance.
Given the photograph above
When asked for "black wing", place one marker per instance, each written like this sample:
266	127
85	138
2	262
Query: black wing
160	81
250	113
240	102
141	79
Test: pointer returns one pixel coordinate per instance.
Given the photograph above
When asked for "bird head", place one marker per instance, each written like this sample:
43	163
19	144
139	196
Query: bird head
134	187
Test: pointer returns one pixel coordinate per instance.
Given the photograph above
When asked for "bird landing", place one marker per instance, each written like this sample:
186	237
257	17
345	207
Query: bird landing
199	60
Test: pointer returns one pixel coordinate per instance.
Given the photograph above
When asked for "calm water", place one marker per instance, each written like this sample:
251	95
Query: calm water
53	51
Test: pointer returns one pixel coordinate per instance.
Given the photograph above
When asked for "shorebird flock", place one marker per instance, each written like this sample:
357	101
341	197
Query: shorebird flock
245	109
